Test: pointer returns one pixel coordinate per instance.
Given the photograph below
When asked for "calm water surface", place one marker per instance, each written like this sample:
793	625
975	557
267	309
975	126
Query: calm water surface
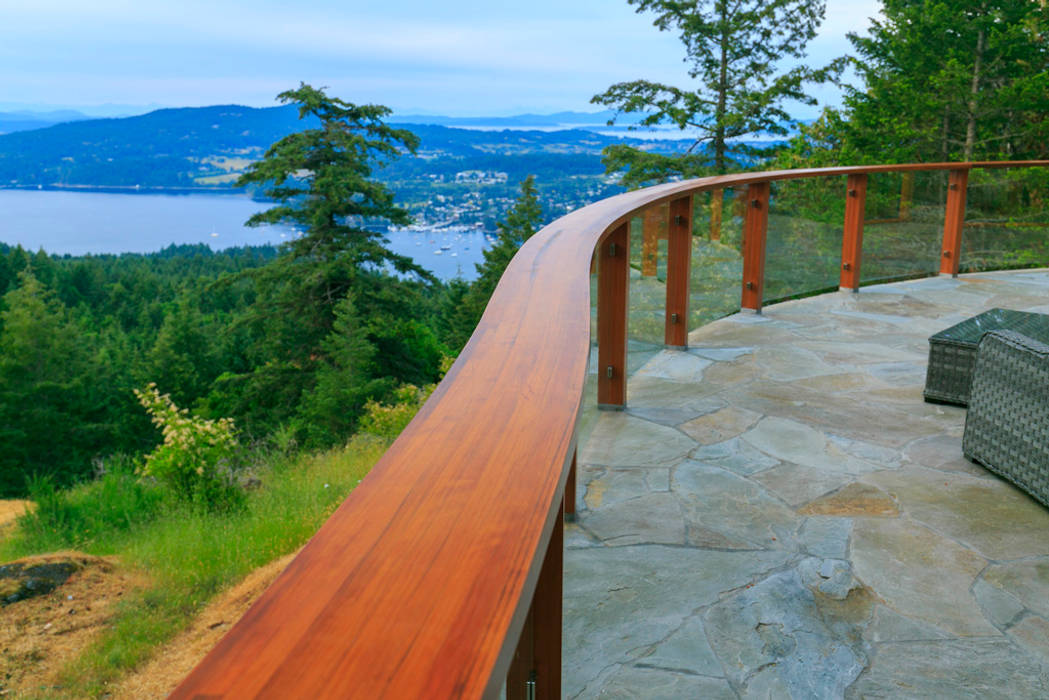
79	223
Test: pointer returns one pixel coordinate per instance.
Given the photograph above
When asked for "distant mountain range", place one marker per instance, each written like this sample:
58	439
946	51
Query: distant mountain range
26	120
208	146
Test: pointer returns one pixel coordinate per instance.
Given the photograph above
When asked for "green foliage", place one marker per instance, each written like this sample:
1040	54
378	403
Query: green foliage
946	80
387	420
732	51
320	178
198	458
48	422
117	502
188	553
330	326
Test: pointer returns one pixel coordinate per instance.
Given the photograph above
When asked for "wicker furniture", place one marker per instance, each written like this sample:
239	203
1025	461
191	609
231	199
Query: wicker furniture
953	351
1007	425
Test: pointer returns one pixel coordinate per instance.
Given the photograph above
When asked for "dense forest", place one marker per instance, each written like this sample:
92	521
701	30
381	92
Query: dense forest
298	341
294	340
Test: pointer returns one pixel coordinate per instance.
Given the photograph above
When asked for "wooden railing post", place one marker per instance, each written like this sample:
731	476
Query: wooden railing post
535	672
651	221
852	238
717	201
570	491
679	262
755	228
954	221
612	290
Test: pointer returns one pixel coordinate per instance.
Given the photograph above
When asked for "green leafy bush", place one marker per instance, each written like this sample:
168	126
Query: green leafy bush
387	420
198	458
116	502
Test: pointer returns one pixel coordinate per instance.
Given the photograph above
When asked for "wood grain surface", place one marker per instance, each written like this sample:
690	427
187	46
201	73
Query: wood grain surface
419	584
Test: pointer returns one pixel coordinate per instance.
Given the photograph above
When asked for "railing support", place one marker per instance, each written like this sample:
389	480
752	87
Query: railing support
717	201
954	222
612	291
755	228
651	223
679	262
570	491
535	672
852	238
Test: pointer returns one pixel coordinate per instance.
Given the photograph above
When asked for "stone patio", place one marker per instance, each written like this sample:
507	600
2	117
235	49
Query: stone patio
778	514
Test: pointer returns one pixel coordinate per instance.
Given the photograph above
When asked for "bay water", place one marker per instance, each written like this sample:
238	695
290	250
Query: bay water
80	223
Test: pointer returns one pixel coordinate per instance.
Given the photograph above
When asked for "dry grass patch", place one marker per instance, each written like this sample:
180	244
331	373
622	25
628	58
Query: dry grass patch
40	636
173	661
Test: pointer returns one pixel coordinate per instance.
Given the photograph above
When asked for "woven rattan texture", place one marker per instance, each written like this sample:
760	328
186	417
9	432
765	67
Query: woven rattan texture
952	351
950	370
1007	425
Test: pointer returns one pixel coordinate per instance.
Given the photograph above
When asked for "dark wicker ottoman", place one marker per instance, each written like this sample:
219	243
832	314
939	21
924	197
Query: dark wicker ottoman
953	351
1007	426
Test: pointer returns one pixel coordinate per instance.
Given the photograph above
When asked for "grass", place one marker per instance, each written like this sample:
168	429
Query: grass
189	554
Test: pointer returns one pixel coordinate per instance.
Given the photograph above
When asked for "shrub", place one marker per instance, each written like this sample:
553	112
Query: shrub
116	502
387	420
198	458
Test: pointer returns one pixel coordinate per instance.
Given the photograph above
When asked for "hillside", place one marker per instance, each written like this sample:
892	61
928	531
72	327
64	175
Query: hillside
459	176
206	146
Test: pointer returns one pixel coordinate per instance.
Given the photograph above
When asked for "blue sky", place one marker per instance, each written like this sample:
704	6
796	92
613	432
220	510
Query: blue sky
456	57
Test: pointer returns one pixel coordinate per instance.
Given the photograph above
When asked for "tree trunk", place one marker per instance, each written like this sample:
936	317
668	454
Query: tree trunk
974	90
719	113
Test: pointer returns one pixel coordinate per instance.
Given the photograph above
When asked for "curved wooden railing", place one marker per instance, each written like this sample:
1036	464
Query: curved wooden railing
440	575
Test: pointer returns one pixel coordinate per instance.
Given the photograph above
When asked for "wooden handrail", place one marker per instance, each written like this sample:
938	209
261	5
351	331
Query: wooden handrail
420	584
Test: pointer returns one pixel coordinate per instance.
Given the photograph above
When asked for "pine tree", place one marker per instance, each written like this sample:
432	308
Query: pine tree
48	420
952	79
733	49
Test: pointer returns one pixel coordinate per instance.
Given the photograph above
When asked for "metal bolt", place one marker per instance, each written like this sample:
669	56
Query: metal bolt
674	318
846	266
750	285
609	371
756	203
852	193
679	220
954	186
946	253
611	250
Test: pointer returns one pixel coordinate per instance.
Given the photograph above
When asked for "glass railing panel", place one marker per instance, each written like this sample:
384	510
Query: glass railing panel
717	264
803	244
903	228
1006	222
648	293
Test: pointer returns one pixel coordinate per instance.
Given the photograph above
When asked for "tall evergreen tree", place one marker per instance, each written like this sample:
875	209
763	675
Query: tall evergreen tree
733	49
48	423
321	178
952	79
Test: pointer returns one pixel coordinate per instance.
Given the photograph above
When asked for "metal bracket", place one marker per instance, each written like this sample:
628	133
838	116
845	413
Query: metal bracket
611	250
679	220
609	372
530	685
756	203
852	193
674	318
846	266
946	253
750	285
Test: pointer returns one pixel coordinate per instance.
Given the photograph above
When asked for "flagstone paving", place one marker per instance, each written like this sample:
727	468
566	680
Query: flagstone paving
778	514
